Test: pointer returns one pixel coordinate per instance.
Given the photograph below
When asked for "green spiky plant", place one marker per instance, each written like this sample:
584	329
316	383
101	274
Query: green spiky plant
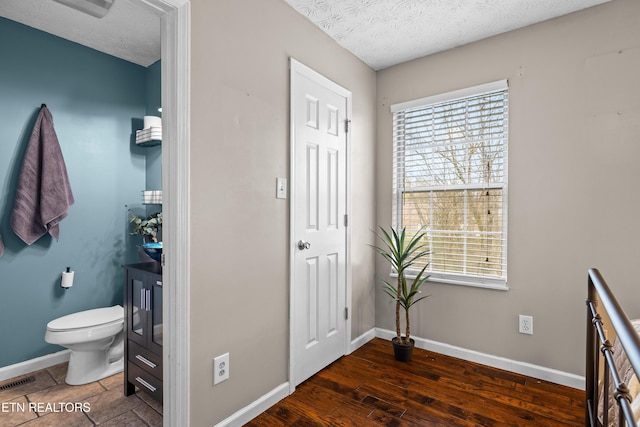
403	253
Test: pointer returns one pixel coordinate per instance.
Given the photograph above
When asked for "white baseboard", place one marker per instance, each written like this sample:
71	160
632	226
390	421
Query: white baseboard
33	365
256	408
362	340
524	368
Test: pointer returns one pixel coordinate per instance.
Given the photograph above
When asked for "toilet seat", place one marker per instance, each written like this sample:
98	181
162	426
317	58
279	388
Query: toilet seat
88	319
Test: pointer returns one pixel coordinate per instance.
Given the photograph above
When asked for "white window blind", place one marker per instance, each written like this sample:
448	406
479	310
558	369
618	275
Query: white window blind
450	180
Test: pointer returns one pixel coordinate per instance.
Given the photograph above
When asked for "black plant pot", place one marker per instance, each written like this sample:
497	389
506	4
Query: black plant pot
402	352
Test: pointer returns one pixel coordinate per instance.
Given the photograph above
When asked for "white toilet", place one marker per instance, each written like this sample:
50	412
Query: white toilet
96	340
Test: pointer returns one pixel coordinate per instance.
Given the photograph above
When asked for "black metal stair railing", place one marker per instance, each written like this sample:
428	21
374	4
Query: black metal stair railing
600	295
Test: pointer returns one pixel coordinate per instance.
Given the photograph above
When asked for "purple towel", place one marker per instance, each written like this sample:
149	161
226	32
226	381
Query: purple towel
43	195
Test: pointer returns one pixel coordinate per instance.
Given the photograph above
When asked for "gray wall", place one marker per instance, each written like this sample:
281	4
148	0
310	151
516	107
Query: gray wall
573	175
239	231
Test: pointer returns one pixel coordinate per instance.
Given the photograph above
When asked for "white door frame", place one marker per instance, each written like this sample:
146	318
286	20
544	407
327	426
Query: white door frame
175	31
313	75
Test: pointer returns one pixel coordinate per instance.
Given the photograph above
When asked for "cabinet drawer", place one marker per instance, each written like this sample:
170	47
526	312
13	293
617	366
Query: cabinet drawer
145	359
145	381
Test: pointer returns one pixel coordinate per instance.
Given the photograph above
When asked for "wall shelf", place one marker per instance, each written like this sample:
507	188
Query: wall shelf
149	143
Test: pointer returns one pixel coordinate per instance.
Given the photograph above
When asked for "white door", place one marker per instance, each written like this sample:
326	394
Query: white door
319	114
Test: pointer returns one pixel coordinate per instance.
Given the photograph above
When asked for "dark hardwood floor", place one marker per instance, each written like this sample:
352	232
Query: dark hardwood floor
369	387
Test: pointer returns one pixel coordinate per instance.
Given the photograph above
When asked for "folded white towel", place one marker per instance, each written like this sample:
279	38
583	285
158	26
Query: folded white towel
43	195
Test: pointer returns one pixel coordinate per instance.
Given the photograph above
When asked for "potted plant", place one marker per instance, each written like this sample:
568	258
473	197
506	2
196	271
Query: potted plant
403	252
148	226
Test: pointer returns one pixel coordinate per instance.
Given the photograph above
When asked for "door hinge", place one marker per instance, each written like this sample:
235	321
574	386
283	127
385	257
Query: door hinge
162	260
346	313
346	220
346	125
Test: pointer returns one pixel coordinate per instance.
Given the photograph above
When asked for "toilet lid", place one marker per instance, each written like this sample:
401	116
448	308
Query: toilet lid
87	318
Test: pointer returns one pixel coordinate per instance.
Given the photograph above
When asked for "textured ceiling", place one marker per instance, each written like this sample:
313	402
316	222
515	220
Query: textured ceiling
383	33
129	31
380	32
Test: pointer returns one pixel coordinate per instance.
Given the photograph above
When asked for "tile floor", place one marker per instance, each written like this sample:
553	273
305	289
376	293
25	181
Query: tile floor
49	402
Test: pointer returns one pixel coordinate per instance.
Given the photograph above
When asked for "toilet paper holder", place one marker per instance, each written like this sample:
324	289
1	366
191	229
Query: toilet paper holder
67	278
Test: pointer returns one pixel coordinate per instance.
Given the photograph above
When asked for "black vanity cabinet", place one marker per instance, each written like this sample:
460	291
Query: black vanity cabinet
143	325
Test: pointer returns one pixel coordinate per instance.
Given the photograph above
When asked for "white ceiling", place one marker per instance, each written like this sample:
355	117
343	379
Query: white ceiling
129	31
381	33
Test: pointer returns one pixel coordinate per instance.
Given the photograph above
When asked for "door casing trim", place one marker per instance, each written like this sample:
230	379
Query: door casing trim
175	33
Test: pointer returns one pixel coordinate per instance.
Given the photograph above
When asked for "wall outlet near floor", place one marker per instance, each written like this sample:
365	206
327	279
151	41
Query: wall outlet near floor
526	324
220	368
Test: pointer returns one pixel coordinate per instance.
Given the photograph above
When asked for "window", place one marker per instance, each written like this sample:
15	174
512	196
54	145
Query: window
450	180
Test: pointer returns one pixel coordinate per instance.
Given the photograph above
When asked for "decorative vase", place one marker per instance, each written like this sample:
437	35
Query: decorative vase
402	352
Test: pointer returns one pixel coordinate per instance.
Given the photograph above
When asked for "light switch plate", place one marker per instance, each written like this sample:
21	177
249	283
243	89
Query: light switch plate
281	188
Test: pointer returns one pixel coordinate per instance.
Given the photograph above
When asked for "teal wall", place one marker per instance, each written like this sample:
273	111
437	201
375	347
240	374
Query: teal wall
97	101
154	154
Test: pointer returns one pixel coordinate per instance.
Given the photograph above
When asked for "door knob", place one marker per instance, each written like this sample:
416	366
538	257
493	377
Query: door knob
302	245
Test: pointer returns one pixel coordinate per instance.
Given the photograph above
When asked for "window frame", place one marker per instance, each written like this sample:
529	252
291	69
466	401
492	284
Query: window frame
490	282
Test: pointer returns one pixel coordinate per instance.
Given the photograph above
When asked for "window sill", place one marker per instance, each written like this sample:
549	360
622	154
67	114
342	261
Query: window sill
447	279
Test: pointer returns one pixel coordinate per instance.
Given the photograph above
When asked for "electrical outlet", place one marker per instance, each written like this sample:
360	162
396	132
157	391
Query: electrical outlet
526	324
220	368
